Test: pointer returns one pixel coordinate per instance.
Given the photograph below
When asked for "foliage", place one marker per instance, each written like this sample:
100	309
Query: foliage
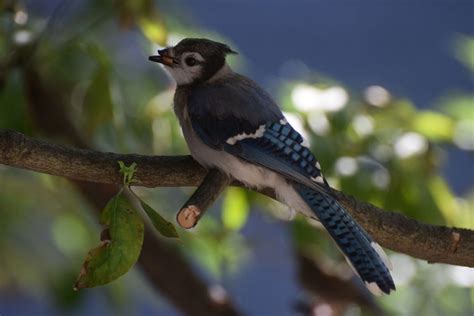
159	222
122	239
119	249
234	209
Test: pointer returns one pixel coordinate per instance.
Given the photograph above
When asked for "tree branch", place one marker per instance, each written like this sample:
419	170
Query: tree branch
392	230
208	191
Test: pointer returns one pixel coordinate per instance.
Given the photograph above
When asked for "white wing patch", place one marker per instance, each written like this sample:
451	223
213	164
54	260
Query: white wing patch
318	179
258	133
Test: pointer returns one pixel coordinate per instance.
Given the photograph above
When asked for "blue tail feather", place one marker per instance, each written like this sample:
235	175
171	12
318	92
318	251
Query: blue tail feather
352	239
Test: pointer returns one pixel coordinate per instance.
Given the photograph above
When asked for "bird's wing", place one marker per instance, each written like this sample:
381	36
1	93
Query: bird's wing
246	123
230	107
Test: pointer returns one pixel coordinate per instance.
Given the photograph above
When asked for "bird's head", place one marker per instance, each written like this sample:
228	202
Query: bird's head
193	60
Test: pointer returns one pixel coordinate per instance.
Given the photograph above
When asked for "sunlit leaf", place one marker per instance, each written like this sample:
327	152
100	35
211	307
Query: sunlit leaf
460	106
235	209
120	249
144	14
434	126
466	218
98	106
393	116
164	227
154	30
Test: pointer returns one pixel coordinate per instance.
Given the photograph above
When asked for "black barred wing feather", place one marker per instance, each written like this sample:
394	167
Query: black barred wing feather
277	146
240	118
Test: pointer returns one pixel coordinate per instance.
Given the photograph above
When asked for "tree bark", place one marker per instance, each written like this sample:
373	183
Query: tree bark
392	230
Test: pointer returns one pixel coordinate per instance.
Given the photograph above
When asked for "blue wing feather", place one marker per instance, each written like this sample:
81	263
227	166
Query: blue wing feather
280	149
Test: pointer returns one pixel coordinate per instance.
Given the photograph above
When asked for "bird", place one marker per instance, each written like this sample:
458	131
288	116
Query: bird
233	125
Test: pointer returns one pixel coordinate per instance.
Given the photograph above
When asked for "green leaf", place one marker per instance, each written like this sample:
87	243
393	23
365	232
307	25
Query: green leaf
13	109
98	105
434	126
164	227
120	249
459	106
235	209
128	172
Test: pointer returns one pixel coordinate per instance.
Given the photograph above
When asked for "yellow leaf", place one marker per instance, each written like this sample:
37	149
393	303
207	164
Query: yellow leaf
435	126
235	209
154	30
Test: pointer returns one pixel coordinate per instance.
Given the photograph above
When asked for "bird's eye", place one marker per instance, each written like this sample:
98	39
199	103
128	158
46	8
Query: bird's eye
191	61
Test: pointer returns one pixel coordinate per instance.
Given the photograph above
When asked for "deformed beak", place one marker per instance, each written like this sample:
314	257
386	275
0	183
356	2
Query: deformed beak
164	57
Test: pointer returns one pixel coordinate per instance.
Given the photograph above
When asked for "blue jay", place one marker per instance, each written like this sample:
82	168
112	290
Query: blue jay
232	124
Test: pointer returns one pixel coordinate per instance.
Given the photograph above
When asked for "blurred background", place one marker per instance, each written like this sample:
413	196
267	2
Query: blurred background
383	91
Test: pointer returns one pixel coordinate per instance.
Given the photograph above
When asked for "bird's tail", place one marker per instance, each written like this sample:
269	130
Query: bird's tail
364	255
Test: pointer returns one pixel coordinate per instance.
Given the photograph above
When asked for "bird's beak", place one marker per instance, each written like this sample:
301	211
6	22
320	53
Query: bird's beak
164	57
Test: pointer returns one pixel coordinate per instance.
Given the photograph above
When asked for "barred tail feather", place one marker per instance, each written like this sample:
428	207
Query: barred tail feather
365	256
382	255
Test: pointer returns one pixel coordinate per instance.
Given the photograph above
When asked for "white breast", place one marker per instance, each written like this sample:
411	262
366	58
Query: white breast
251	175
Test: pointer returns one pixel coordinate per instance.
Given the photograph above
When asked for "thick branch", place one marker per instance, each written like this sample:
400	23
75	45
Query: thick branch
392	230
